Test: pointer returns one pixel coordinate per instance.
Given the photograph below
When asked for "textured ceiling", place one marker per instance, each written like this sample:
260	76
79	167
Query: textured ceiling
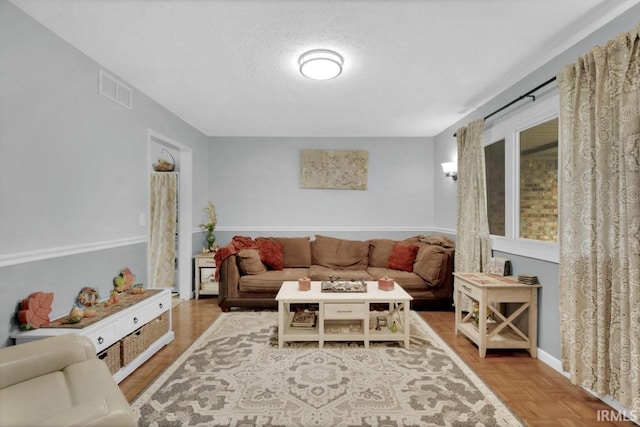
412	68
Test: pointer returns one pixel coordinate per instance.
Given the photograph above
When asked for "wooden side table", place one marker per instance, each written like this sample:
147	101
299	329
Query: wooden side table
204	271
489	291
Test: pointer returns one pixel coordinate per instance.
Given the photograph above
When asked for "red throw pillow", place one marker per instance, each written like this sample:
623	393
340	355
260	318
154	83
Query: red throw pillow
402	256
271	253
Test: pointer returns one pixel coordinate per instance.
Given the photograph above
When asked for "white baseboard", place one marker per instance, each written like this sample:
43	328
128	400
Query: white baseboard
554	363
618	412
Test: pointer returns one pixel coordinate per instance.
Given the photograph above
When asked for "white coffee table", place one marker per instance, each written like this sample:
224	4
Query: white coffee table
343	316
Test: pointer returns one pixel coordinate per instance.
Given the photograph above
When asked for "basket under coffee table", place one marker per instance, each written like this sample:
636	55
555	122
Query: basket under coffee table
358	316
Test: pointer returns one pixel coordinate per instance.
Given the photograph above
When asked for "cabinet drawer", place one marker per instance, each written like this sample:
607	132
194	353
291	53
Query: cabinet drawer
132	321
104	337
343	311
206	262
156	308
470	290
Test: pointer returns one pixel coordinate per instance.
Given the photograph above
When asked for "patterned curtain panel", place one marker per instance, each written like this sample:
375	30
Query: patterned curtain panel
162	240
600	219
473	243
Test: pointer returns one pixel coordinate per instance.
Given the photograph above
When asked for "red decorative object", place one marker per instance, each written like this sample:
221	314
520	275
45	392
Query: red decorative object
34	310
271	253
402	257
386	284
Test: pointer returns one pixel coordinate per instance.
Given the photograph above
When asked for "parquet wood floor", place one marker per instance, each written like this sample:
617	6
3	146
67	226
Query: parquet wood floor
539	395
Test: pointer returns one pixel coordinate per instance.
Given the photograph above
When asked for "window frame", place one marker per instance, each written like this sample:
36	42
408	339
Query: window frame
509	129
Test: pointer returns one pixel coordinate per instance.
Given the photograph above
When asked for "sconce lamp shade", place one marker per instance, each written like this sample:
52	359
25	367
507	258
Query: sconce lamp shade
320	64
450	169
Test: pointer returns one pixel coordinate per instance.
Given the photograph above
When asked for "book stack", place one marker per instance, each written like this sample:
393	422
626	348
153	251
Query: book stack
528	279
303	319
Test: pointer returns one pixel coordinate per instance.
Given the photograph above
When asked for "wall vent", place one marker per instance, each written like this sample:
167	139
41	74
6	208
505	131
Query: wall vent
115	90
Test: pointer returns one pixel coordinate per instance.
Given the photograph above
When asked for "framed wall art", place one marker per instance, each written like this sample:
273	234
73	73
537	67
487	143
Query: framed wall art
334	169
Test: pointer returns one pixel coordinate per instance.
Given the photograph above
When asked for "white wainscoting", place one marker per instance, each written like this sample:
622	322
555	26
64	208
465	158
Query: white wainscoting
48	253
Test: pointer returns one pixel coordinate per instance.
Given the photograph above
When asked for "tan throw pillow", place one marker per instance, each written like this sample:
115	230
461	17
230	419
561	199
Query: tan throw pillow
402	257
249	262
431	264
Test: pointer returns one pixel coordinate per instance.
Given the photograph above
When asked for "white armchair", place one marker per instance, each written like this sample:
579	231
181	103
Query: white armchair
59	381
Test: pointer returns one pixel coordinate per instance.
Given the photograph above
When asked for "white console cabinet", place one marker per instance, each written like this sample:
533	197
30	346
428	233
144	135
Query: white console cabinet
115	327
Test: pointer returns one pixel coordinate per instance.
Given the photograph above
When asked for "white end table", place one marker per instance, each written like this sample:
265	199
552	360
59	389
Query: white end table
203	284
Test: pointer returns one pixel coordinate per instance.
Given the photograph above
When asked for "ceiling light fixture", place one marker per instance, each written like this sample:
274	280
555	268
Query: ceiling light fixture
320	64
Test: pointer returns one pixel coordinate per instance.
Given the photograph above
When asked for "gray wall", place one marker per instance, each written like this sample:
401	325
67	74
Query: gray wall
73	170
445	150
549	317
254	183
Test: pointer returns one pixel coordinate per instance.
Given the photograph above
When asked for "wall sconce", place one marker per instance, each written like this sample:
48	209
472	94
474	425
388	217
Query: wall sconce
450	169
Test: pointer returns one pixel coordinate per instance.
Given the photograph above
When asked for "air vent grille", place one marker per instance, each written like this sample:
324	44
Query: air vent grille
115	90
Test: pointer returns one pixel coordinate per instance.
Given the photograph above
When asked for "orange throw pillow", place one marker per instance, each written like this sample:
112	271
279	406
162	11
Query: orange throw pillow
271	253
402	257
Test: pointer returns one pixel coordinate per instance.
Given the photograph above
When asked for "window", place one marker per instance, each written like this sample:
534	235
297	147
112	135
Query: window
494	172
539	182
521	169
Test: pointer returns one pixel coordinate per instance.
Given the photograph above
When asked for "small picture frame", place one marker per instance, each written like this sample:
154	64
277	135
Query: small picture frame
500	266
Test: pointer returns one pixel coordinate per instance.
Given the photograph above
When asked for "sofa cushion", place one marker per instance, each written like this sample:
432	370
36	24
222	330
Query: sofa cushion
431	264
407	280
319	272
271	280
403	256
439	240
379	251
340	254
270	253
296	251
249	262
57	398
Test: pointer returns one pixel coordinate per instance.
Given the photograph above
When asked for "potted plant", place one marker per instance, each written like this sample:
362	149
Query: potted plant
210	226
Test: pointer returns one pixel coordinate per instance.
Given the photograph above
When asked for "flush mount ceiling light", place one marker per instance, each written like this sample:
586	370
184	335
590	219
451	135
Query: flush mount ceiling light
320	64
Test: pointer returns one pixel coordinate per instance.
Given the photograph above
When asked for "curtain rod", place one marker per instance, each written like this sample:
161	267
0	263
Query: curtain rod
528	94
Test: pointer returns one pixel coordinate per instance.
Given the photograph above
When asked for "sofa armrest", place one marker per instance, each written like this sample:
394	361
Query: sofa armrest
229	278
23	362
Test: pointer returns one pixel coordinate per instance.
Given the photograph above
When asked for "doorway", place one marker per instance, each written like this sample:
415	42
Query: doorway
183	159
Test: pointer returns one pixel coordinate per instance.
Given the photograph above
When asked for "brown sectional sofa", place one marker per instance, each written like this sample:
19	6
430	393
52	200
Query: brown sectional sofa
250	272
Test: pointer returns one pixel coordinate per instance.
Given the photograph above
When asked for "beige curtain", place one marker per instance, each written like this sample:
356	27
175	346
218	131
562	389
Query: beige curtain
162	236
600	219
473	243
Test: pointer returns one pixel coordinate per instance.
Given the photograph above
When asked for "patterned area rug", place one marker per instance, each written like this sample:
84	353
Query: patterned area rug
235	375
